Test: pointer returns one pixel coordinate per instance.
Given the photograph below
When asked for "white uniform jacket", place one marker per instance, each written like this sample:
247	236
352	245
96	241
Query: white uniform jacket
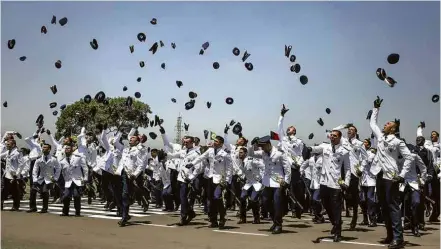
49	169
164	175
59	147
13	165
367	178
291	145
76	171
277	167
105	161
132	161
185	156
251	169
388	149
411	176
332	165
220	166
314	166
25	166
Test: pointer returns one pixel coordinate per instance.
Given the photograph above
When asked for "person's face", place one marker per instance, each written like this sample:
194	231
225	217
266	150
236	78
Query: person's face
267	147
197	141
241	141
389	127
420	141
217	144
242	154
366	145
335	138
10	144
352	132
154	153
434	137
46	149
188	143
133	141
291	131
68	150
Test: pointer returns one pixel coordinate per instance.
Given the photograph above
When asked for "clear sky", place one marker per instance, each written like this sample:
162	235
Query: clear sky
339	46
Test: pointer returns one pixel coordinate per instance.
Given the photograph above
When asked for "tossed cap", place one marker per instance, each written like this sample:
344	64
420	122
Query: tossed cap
137	95
245	56
124	88
435	98
173	45
393	58
94	44
189	105
292	58
129	101
55	113
249	66
192	95
288	50
138	79
303	79
152	123
132	49
141	37
201	52
163	65
40	120
43	29
206	134
390	81
208	105
5	104
153	21
173	100
100	97
54	20
236	51
23	58
229	100
153	135
11	44
87	99
320	122
216	65
237	129
62	107
54	89
311	136
205	45
161	44
141	64
328	111
232	122
179	83
295	68
381	74
154	48
58	64
53	105
63	21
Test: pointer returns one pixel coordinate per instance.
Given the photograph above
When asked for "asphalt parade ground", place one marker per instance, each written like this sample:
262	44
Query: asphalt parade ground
157	230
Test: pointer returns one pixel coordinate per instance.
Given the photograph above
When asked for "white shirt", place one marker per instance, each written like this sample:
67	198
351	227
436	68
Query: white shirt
367	178
49	169
220	167
252	170
277	167
291	145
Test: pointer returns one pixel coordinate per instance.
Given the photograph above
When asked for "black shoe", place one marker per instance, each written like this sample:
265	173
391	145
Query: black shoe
222	224
176	208
337	238
277	230
122	223
43	211
213	225
190	217
182	222
416	232
333	230
320	220
63	214
372	224
256	220
396	244
352	226
386	241
112	205
32	210
242	220
78	215
364	223
272	227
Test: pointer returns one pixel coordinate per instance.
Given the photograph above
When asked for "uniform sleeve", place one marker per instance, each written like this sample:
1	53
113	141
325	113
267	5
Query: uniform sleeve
57	170
280	128
228	167
35	170
84	167
423	169
373	123
407	156
286	167
140	166
347	169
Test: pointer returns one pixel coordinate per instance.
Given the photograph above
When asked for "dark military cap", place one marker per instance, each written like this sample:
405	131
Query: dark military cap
132	48
229	100
62	107
62	21
153	21
208	105
137	95
11	44
237	129
216	65
129	101
320	122
58	64
303	79
138	79
5	104
54	20
53	105
163	65
390	81
369	114
328	111
249	66
173	100
141	37
23	58
205	45
100	97
94	44
381	74
288	50
236	51
245	56
295	68
141	64
393	58
87	99
154	48
54	89
124	88
179	83
55	113
192	95
161	44
435	98
153	135
40	120
189	105
206	134
201	52
264	140
311	136
43	30
292	58
232	122
173	45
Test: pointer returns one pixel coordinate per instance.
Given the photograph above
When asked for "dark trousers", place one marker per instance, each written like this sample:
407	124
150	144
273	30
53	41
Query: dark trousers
367	203
106	184
125	194
206	201
22	186
185	205
42	189
332	203
236	188
297	187
196	189
354	197
435	195
253	202
316	203
11	187
216	203
167	196
157	192
389	197
75	192
308	199
117	186
412	206
32	199
175	186
273	201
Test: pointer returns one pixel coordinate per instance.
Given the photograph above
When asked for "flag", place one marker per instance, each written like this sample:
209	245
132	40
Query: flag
213	135
274	136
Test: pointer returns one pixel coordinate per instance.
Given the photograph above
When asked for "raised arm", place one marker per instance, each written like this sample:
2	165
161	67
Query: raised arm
373	123
103	140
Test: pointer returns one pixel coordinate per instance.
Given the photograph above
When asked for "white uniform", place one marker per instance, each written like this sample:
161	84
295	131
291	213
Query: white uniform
277	166
314	166
220	167
367	178
49	169
411	176
13	158
74	171
186	156
251	169
291	145
132	161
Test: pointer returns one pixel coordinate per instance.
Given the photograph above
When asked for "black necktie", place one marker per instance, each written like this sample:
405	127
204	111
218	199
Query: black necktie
45	158
215	151
333	148
188	150
68	159
350	140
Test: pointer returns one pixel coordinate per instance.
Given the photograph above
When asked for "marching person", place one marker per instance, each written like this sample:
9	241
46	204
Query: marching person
335	178
368	183
10	180
389	148
45	175
26	164
35	147
75	172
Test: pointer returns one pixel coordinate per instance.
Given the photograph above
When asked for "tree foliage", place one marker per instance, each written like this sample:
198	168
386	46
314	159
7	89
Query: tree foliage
115	114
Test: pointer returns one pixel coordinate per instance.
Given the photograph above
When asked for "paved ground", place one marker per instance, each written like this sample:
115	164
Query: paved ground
155	229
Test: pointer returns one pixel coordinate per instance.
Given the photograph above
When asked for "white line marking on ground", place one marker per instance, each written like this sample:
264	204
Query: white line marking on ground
154	225
85	210
353	242
243	233
103	217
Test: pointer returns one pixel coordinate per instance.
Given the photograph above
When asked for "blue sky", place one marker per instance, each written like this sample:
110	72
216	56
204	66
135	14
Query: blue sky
338	44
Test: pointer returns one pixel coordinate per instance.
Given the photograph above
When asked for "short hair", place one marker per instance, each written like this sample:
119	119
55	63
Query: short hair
246	140
338	132
353	126
189	137
154	150
197	140
368	141
220	139
437	134
46	144
245	150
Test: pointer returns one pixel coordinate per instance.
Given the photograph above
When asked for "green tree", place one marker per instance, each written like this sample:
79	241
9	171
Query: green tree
115	114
